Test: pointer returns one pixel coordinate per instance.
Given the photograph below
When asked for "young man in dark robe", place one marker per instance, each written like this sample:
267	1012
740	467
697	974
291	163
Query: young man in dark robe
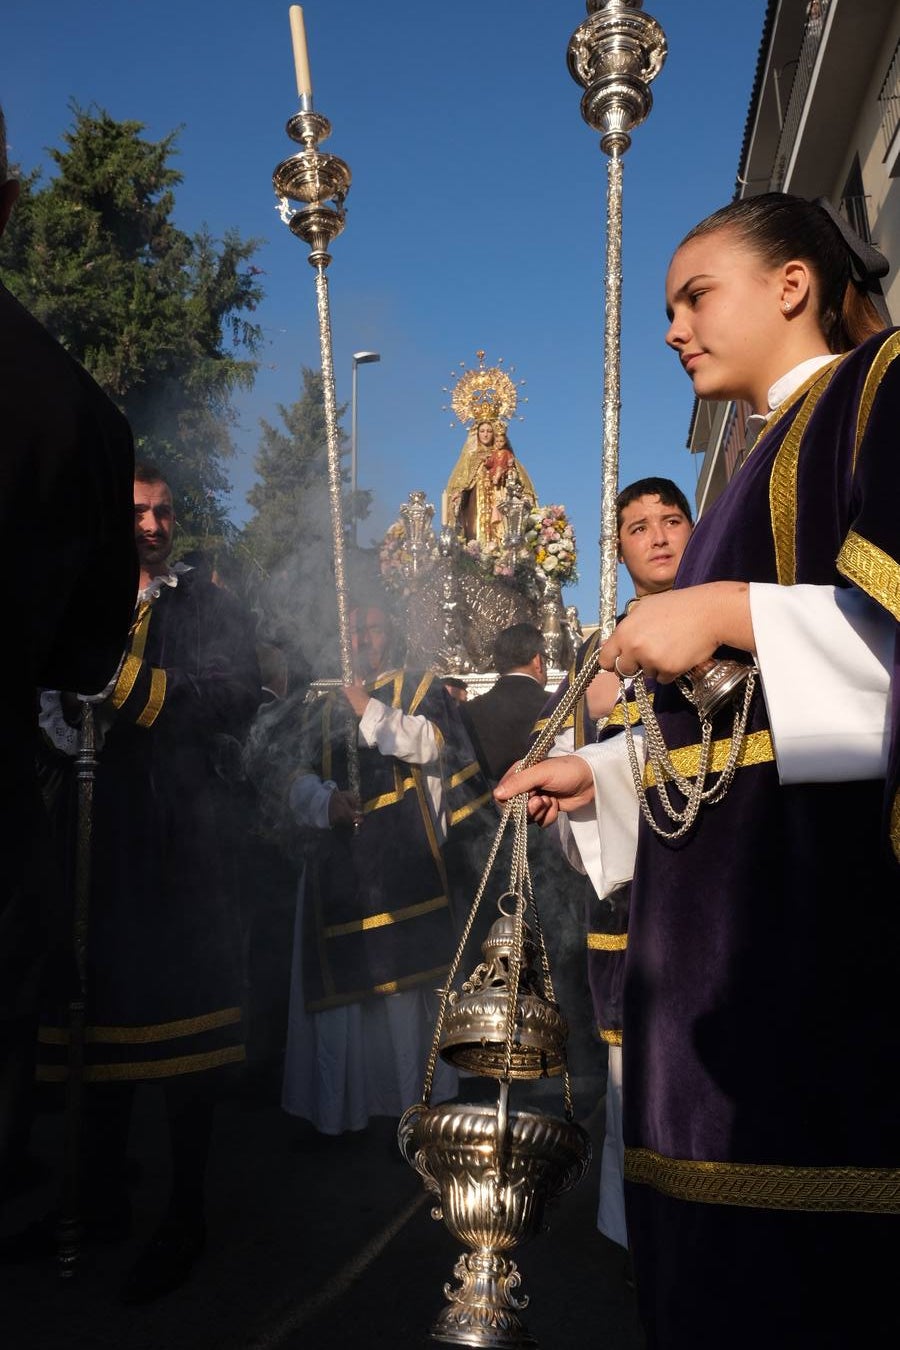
654	525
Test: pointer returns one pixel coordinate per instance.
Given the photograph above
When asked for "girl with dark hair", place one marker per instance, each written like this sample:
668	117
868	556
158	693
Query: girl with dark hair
762	1007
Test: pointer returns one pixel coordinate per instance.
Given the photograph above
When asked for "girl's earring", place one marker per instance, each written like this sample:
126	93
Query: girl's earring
786	306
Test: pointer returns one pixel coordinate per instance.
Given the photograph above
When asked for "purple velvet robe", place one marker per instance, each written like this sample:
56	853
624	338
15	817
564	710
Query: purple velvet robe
762	999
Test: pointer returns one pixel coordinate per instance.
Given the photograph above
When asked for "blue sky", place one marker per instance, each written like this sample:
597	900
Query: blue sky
476	217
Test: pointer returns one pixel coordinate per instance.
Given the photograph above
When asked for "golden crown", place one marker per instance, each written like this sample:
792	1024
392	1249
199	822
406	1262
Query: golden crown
484	394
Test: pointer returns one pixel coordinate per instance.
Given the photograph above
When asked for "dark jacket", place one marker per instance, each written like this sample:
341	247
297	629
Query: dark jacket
500	721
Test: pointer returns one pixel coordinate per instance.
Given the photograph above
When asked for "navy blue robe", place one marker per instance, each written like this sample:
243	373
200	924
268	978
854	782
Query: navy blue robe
377	918
164	968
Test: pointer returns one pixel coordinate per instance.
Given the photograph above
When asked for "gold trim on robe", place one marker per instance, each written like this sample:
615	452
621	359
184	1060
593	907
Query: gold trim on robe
872	570
756	748
390	987
131	669
607	942
877	371
388	916
861	1190
156	699
144	1035
158	1068
783	482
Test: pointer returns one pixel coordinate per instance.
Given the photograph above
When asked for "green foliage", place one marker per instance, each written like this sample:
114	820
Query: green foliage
290	536
291	498
157	316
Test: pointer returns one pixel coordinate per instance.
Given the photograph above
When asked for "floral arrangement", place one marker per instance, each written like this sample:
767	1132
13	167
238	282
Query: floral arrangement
491	561
489	558
548	536
551	539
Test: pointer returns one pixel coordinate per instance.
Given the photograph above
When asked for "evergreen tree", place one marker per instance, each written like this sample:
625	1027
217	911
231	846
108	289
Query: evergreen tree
289	537
157	316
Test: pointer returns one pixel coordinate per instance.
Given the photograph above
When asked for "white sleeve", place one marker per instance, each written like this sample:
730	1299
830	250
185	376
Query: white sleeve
411	738
561	833
309	798
406	736
561	829
53	723
563	743
605	832
825	655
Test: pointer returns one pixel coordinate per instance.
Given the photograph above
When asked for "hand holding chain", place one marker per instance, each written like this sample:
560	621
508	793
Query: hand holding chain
696	792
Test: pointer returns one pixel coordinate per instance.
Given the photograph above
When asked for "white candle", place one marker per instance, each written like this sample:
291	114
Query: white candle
301	55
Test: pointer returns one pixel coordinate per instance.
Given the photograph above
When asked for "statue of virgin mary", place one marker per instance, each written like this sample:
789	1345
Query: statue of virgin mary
487	467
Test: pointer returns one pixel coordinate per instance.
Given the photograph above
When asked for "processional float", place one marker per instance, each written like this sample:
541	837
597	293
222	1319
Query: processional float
485	570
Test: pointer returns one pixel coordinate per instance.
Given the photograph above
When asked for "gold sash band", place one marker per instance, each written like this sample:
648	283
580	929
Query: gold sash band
607	942
861	1190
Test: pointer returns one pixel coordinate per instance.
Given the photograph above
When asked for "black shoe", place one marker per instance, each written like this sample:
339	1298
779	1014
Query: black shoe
166	1261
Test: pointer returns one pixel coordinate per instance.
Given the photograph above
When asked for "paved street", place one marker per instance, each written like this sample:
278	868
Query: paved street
318	1247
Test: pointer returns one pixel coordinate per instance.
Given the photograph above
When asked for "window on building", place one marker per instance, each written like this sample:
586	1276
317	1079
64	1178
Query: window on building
853	202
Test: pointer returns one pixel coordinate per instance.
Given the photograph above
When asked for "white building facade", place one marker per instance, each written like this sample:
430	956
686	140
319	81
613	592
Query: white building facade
824	121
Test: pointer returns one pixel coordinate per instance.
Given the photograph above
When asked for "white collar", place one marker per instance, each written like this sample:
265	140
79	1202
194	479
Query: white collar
153	589
785	386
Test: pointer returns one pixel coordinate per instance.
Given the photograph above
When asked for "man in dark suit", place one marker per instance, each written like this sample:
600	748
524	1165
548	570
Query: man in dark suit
66	521
500	721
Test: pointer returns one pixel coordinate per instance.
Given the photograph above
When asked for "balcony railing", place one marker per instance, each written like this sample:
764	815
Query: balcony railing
806	62
889	98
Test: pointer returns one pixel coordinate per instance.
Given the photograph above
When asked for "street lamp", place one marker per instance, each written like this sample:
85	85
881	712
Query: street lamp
359	359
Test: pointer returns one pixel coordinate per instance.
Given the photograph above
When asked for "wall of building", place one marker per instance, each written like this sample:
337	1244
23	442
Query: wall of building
818	106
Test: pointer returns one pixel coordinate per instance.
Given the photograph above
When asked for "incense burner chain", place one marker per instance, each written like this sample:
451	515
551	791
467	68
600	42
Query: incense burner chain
495	1169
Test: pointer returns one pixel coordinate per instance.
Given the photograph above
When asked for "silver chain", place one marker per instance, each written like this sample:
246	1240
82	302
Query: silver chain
696	792
516	812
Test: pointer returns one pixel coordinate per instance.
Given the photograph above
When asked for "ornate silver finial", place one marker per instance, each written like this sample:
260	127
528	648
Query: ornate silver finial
319	180
320	183
417	515
614	55
514	506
